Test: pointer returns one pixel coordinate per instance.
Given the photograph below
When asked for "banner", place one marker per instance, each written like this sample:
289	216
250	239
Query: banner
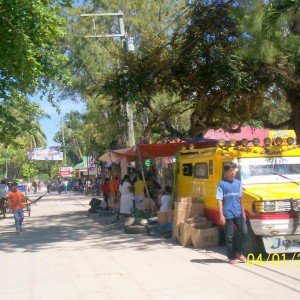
91	164
65	171
50	153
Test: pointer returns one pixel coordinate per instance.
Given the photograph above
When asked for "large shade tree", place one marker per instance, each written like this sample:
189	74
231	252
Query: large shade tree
271	32
199	67
30	57
93	60
223	65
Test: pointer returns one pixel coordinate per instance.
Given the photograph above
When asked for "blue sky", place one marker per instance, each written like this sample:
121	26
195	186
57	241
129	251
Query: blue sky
51	126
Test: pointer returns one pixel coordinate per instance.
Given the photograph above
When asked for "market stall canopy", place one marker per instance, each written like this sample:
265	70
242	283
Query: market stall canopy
152	150
80	167
87	162
117	155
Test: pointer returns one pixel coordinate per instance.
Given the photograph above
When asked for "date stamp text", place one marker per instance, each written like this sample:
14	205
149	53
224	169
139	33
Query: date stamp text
274	259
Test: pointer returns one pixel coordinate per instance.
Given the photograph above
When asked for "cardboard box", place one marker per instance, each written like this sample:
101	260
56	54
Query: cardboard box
183	211
185	234
190	199
202	225
205	238
196	219
175	231
164	217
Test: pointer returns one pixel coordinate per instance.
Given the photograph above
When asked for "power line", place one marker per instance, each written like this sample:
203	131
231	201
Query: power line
174	19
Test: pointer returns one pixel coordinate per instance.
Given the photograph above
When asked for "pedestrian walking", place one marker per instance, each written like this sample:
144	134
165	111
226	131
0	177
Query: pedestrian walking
66	185
34	186
14	198
3	196
231	213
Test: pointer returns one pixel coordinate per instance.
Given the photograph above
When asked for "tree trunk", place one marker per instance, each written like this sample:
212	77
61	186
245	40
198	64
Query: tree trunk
293	97
196	129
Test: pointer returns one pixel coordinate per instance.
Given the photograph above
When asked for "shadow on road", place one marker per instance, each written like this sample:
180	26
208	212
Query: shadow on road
208	261
75	231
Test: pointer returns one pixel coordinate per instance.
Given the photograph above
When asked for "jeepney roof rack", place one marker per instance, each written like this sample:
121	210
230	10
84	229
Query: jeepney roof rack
278	141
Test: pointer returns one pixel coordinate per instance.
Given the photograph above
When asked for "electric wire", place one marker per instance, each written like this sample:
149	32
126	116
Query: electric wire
174	19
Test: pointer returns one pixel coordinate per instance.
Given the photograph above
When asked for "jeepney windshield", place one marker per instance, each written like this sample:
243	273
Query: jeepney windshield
261	170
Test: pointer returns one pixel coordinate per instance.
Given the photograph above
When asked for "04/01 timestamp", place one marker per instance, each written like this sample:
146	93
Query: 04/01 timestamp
275	259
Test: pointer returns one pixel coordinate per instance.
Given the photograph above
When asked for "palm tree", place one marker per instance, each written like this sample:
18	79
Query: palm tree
35	139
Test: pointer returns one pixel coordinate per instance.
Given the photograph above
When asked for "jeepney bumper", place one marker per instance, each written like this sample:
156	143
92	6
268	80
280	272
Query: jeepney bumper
280	233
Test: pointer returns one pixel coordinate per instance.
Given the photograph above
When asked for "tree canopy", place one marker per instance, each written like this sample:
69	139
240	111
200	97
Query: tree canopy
30	59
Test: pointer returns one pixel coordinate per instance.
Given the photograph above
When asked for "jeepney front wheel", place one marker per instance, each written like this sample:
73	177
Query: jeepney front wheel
253	243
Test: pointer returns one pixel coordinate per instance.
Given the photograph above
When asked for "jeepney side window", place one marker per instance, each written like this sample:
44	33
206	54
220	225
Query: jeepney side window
187	169
211	167
201	170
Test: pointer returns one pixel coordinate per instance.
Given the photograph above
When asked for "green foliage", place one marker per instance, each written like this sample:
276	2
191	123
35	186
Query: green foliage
27	171
275	39
95	60
212	65
17	117
30	59
29	56
216	86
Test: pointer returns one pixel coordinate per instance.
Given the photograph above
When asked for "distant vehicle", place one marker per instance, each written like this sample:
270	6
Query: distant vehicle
22	188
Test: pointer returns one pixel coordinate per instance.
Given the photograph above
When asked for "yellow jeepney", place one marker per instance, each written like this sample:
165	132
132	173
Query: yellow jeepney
270	174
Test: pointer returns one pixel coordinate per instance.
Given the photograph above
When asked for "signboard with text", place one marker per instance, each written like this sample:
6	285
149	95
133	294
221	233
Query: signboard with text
65	171
50	153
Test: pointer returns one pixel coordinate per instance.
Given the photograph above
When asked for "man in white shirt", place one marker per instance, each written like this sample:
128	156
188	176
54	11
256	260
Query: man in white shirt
3	196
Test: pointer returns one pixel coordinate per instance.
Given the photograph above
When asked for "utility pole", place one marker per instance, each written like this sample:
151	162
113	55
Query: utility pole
129	47
5	176
63	141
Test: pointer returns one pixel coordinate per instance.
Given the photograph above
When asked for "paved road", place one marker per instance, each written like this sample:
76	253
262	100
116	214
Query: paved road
65	253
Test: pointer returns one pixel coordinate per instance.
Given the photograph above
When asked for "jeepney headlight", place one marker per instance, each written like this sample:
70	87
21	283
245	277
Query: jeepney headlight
267	141
255	141
191	146
278	141
244	142
232	143
290	140
263	206
221	142
269	206
183	148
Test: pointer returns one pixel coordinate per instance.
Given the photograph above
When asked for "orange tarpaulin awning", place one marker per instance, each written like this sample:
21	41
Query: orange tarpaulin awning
151	151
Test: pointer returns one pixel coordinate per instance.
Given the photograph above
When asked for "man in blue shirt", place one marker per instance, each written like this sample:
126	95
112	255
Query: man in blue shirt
231	213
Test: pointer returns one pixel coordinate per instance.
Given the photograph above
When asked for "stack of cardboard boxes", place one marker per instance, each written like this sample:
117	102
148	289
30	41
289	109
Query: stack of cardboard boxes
190	227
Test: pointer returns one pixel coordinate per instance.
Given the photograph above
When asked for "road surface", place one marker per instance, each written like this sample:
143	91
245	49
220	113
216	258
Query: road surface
66	253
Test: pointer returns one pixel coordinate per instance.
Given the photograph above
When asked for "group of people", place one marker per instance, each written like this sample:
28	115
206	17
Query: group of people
229	192
132	194
13	199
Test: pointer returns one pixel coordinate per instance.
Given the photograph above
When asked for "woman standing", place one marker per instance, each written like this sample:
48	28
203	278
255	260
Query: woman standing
105	192
165	200
126	201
